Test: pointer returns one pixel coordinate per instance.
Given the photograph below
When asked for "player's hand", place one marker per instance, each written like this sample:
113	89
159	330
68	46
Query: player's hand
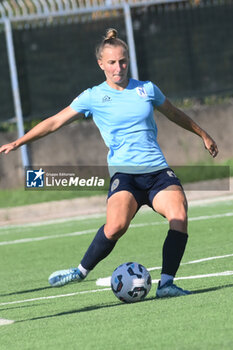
8	148
210	145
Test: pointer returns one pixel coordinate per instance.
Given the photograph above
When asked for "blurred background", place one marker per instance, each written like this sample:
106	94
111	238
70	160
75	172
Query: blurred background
47	59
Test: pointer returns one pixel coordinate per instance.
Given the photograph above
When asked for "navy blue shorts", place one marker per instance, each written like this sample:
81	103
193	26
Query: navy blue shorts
143	186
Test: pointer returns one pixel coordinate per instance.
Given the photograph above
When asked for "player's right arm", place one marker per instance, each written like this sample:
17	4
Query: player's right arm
47	126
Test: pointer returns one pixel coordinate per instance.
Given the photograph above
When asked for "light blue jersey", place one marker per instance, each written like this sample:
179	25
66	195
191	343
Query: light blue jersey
126	122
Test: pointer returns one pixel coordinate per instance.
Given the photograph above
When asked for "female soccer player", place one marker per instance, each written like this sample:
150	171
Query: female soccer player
123	110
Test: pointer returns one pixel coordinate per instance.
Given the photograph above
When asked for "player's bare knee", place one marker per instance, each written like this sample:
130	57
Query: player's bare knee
179	223
114	232
182	217
178	220
179	213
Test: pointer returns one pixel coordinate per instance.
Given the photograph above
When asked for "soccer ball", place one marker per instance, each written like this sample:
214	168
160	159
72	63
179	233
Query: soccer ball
131	282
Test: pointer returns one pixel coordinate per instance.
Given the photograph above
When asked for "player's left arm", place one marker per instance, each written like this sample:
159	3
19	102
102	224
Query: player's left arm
180	118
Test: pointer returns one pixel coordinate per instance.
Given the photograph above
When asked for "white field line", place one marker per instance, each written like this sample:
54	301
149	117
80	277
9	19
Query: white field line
105	281
225	273
206	201
195	202
195	261
4	321
54	296
54	221
43	238
72	234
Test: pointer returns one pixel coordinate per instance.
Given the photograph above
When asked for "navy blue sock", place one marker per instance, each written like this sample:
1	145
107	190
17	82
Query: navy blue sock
99	249
173	250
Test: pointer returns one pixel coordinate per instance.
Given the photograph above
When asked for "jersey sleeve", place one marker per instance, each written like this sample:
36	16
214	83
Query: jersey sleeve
155	94
82	103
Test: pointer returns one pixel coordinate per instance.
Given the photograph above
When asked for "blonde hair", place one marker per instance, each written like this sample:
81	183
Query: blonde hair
110	39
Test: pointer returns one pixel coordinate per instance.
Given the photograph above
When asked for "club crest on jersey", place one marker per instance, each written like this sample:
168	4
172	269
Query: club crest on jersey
115	184
141	91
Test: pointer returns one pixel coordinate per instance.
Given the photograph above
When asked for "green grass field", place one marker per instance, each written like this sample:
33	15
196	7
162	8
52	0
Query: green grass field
88	316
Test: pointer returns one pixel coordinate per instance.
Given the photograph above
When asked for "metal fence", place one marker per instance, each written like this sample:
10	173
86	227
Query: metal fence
186	49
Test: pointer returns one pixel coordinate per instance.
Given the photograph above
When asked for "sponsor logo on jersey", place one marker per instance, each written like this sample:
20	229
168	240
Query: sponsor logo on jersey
141	91
106	98
170	173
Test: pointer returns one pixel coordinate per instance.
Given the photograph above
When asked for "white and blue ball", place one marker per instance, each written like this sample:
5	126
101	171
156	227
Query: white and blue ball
131	282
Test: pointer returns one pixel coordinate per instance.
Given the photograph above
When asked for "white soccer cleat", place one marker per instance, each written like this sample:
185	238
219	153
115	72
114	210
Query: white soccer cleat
62	277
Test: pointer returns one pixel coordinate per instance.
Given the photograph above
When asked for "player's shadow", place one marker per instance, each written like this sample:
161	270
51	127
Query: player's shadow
20	307
204	290
116	304
212	289
85	309
25	291
71	312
